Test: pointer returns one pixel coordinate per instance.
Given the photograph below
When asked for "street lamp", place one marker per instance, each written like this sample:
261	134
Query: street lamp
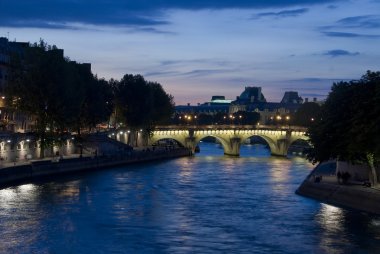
287	121
231	117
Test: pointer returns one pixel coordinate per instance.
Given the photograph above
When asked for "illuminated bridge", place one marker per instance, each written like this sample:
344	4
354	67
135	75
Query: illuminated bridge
231	138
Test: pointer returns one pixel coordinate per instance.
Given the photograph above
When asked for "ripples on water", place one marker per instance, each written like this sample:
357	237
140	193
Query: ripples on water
209	203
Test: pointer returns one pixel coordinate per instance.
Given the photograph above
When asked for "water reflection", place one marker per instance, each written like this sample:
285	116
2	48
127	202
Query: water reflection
209	203
331	220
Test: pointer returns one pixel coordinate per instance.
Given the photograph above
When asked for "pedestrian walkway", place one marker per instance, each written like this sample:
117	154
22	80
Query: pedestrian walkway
4	164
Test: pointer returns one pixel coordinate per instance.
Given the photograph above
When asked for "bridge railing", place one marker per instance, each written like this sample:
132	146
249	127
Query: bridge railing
229	127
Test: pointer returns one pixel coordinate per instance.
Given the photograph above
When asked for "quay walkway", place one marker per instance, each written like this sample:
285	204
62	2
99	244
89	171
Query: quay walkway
12	174
322	184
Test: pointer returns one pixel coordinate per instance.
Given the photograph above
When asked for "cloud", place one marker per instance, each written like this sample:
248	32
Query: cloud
314	95
350	35
317	84
348	27
161	73
45	13
282	14
332	7
197	73
366	21
340	52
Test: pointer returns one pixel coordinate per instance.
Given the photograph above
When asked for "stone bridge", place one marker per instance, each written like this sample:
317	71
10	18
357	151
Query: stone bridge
278	139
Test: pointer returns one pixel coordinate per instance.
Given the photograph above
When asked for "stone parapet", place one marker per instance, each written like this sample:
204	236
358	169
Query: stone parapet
347	196
26	173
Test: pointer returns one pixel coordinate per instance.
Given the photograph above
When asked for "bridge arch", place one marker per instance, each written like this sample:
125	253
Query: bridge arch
231	139
222	141
297	146
178	136
170	140
269	141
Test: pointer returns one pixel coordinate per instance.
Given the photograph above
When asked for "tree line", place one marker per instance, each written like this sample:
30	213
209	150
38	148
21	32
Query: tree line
347	127
219	118
64	96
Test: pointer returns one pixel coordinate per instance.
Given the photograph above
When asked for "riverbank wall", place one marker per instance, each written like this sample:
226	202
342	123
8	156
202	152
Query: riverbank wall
352	196
37	169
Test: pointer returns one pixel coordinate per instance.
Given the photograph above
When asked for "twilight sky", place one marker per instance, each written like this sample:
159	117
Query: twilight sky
200	48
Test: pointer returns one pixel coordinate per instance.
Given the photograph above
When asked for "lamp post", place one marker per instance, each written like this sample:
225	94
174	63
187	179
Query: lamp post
287	118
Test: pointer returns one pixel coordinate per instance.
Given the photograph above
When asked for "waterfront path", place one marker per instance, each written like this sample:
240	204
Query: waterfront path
324	186
48	167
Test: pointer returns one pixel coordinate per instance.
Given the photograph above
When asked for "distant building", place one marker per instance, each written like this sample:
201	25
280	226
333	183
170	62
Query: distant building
7	49
252	100
218	104
251	95
291	98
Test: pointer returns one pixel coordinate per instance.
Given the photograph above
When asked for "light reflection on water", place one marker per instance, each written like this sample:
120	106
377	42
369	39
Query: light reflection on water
209	203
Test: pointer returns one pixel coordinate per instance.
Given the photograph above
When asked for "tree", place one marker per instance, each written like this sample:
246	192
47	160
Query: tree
63	95
163	104
306	114
135	100
205	119
365	141
37	86
141	104
347	126
97	104
246	117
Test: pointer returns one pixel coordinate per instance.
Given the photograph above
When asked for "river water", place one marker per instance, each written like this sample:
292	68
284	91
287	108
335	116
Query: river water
208	203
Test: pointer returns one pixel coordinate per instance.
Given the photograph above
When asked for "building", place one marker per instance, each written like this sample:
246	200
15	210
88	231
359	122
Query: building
291	97
252	100
218	104
7	49
11	119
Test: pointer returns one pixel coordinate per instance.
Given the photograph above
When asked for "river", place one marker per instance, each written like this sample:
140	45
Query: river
208	203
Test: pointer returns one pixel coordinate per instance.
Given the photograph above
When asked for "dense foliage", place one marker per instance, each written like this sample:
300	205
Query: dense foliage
54	90
64	96
237	118
348	125
306	114
141	104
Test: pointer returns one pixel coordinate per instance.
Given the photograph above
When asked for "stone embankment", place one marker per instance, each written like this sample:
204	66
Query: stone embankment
37	169
322	184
